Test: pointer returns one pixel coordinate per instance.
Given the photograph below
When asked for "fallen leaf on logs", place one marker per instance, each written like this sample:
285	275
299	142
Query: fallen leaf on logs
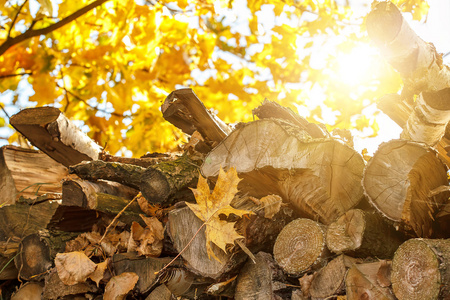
74	267
210	205
119	286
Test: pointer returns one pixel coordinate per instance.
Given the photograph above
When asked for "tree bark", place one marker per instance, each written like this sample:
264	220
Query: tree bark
260	280
54	288
87	194
421	270
300	247
369	281
183	109
321	178
398	181
421	66
28	173
269	109
363	234
159	183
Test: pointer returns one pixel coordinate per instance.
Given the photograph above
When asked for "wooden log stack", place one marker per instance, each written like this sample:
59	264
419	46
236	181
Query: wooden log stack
322	223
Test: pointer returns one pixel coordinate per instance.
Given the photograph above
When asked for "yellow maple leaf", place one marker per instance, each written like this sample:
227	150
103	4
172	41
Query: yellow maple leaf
210	205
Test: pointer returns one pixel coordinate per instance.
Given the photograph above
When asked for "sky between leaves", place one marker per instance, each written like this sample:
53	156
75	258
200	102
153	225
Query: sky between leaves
112	67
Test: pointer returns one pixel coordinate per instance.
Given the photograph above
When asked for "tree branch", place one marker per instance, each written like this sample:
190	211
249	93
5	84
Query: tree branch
15	18
14	75
37	32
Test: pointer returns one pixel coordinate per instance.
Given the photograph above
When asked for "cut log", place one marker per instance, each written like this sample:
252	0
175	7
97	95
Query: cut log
300	247
87	194
321	178
8	250
146	268
269	109
29	291
34	257
363	234
421	270
49	130
161	292
28	173
260	280
159	183
418	62
369	281
398	181
330	280
183	109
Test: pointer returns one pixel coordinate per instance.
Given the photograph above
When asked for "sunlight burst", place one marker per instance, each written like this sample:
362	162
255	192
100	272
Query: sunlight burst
356	66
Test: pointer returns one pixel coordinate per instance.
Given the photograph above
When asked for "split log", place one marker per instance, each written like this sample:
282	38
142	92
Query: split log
91	194
321	178
20	220
300	247
330	280
398	181
54	288
8	251
28	173
363	234
369	281
159	183
146	268
260	280
29	291
421	270
183	109
161	292
421	66
49	130
269	109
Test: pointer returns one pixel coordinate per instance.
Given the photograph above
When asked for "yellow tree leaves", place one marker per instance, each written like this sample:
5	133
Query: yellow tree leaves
210	206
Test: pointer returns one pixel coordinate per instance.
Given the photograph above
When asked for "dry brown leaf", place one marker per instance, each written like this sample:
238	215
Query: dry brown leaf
74	267
271	204
155	226
99	272
210	205
147	241
78	244
119	286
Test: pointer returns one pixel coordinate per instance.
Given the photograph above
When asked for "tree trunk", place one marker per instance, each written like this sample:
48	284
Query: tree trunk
330	280
260	280
183	109
398	181
363	234
321	178
369	281
300	247
28	173
421	270
49	130
418	62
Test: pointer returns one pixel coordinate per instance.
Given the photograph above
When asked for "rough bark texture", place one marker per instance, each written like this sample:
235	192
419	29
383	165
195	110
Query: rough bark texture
363	234
418	62
421	270
398	181
54	288
28	173
183	109
49	130
300	247
260	280
369	281
87	194
321	178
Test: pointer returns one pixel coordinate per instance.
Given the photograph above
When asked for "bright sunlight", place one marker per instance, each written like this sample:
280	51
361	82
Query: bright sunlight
356	66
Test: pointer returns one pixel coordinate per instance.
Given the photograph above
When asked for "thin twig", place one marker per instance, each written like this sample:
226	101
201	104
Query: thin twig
4	111
42	31
14	75
118	215
15	19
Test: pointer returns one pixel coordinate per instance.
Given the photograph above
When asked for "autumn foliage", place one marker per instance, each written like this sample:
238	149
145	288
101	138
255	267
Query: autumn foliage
110	64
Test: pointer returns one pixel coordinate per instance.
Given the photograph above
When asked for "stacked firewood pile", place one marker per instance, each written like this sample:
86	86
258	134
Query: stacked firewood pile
308	217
